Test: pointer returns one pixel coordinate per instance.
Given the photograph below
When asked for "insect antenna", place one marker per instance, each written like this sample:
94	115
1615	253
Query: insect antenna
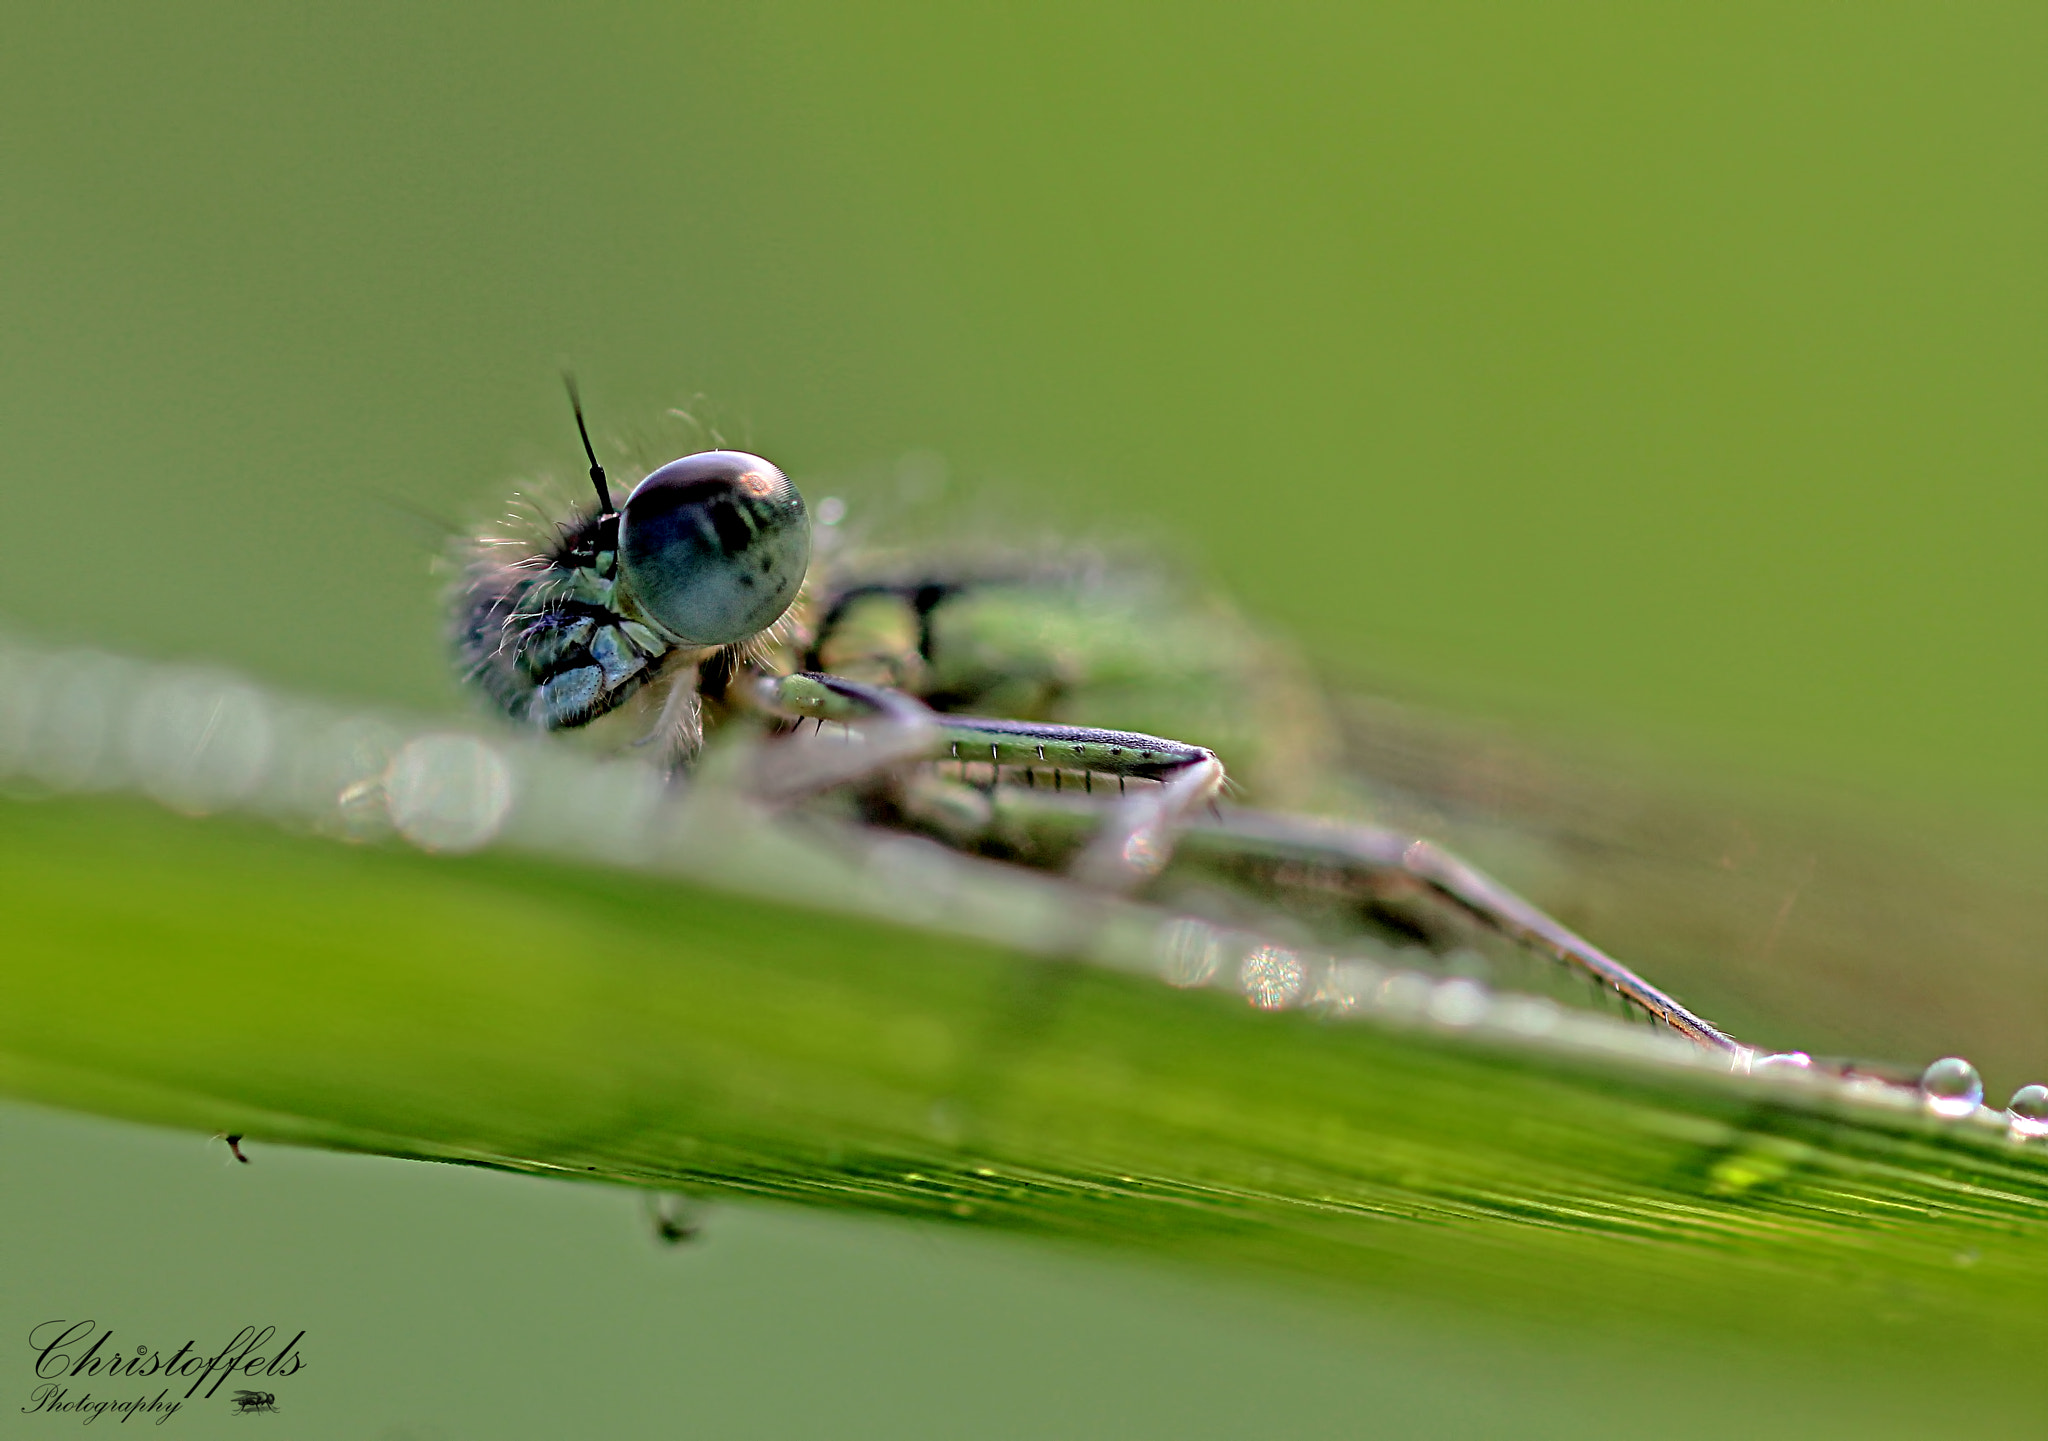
604	495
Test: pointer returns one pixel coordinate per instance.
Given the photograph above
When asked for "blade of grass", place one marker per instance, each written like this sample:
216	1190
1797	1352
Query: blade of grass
745	1031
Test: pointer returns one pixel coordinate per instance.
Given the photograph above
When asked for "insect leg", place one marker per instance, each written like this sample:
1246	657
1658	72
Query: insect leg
1270	847
1136	841
892	727
1135	838
678	732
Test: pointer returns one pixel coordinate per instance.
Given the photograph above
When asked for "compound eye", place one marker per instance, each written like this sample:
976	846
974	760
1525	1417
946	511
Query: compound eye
714	546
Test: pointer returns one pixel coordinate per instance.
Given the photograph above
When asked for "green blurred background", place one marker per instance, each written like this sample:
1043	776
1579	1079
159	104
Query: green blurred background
1650	372
1682	369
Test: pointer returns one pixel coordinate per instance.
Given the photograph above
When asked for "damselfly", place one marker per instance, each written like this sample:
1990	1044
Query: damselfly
1042	709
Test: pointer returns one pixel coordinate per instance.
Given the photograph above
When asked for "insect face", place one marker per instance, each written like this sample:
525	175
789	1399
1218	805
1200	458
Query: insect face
713	547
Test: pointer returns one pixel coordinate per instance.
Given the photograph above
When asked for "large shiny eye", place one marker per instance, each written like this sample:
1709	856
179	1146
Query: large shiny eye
713	546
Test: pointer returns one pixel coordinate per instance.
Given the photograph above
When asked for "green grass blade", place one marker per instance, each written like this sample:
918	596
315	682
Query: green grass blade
733	1014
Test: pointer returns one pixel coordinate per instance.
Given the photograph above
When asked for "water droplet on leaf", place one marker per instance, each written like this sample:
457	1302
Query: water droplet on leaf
1951	1087
1272	978
2027	1112
1457	1002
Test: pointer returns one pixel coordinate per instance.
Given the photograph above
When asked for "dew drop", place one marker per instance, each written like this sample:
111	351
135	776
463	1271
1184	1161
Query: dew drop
1405	992
2027	1112
335	777
1951	1087
1272	978
19	706
1188	952
199	744
1143	852
1782	1061
1528	1015
448	792
1346	986
1457	1002
73	722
